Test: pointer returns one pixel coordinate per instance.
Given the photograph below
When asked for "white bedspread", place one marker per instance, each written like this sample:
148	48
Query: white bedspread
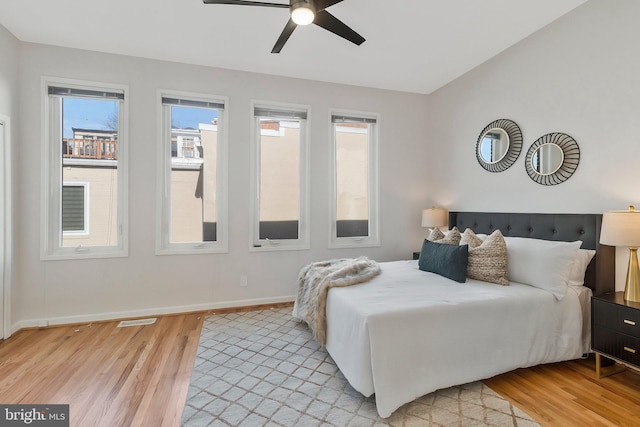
407	332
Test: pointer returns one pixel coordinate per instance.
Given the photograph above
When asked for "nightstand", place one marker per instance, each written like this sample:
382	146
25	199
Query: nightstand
615	331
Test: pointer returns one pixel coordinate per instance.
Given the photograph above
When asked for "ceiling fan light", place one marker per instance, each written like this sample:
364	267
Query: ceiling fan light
302	13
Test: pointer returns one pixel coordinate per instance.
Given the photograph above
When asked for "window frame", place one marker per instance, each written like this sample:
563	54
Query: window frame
51	161
163	230
86	230
303	241
373	239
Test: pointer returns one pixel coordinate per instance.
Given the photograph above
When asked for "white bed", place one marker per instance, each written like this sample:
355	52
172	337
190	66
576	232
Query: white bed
407	332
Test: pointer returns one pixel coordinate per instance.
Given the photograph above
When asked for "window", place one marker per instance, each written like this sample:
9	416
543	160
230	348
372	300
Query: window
75	208
280	185
193	174
84	159
355	180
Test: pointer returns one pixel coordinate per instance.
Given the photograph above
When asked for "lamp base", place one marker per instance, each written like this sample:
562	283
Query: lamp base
632	284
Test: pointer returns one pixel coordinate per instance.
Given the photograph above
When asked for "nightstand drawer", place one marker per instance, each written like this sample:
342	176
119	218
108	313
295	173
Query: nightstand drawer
617	345
616	317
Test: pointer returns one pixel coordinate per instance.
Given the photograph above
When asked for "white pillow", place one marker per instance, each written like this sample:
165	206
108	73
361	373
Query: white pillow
544	264
579	266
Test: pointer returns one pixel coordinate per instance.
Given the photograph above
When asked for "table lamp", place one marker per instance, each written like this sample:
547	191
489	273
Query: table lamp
622	228
434	217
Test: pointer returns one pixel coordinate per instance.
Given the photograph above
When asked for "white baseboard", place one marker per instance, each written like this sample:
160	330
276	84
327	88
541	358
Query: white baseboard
98	317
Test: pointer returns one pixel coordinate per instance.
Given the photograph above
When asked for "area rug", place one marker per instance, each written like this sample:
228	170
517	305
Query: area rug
263	368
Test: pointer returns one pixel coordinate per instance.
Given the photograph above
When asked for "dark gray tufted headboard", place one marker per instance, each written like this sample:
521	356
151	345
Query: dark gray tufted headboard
600	276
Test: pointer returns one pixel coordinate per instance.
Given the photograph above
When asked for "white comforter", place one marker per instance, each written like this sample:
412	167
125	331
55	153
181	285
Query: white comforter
407	333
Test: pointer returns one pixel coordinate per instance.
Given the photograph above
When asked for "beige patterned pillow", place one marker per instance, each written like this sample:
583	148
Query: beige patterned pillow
488	258
451	238
470	238
435	234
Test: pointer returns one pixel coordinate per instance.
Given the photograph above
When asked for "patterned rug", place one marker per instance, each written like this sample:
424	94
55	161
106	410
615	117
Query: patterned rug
263	368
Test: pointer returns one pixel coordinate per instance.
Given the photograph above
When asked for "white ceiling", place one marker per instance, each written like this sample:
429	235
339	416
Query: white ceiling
411	45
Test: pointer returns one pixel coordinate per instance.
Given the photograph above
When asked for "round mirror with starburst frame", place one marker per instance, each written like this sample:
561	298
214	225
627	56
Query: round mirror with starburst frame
552	159
499	145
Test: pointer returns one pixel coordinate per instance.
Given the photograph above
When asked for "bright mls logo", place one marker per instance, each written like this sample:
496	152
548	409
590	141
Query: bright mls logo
34	415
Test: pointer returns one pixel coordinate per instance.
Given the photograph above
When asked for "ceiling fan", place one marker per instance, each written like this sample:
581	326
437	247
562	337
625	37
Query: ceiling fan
303	12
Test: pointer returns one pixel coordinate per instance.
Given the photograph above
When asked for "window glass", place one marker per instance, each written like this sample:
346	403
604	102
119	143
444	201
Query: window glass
281	194
279	179
192	139
84	213
355	180
90	130
352	179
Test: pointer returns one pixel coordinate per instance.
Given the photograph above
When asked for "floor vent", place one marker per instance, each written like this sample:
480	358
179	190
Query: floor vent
137	322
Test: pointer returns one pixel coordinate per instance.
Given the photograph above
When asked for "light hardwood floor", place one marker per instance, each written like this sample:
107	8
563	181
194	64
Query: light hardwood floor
139	376
110	376
568	394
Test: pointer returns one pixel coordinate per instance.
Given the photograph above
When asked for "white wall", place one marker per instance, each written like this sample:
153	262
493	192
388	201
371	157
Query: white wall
9	46
580	75
143	283
9	51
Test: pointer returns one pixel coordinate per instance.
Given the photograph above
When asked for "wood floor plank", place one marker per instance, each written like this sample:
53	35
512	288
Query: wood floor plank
568	394
110	376
139	376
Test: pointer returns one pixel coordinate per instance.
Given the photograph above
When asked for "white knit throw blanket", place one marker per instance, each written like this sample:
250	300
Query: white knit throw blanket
314	282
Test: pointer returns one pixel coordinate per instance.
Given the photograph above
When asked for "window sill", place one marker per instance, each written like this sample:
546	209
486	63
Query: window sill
353	243
192	250
277	246
87	253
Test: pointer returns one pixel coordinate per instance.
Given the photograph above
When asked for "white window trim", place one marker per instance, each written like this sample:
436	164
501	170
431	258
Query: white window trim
373	240
264	245
50	226
86	188
6	234
163	232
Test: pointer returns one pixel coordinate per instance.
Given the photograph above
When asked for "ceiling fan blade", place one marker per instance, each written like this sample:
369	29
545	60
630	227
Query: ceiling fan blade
247	3
323	4
284	36
329	22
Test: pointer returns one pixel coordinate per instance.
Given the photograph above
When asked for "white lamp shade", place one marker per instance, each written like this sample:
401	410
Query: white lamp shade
621	228
302	14
434	217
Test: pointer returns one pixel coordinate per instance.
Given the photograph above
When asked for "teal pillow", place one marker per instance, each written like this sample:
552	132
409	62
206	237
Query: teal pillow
446	260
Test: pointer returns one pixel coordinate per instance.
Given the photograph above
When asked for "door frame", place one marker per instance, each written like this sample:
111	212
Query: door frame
5	228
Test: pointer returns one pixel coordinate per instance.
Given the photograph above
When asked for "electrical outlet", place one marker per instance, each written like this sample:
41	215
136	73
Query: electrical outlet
243	281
